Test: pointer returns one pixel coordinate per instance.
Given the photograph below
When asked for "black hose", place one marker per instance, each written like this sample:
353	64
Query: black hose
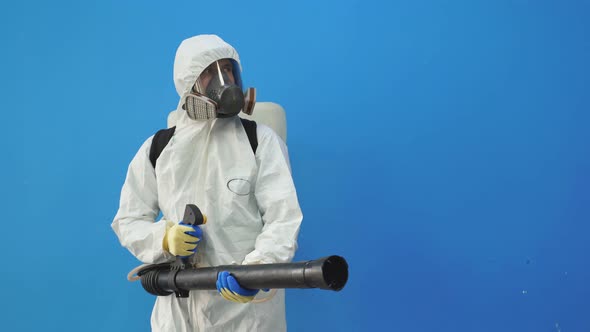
329	273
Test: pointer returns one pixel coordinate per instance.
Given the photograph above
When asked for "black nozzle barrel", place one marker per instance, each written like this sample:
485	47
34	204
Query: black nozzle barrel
330	273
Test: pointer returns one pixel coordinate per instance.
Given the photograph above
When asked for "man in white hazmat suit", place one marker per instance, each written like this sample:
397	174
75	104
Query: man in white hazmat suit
253	215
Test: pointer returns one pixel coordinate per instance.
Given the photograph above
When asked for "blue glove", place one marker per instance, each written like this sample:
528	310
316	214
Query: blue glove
230	289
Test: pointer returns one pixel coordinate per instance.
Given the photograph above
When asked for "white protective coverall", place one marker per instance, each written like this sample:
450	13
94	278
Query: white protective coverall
249	199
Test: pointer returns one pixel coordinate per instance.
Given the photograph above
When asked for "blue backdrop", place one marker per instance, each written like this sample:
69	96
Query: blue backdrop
442	147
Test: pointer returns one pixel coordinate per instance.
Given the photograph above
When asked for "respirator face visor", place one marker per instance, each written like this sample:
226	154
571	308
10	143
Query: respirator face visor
218	93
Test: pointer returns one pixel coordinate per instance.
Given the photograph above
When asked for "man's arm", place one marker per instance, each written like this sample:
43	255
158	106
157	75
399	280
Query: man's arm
134	223
277	201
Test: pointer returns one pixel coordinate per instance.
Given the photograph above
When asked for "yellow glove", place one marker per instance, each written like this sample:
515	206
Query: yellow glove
181	239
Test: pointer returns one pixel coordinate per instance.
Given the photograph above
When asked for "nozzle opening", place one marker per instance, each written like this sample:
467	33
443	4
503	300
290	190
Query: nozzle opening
335	272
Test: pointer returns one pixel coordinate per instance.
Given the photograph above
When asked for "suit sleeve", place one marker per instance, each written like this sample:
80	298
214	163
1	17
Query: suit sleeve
135	223
277	201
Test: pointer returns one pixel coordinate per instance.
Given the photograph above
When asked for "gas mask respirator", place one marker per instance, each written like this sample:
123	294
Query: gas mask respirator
218	93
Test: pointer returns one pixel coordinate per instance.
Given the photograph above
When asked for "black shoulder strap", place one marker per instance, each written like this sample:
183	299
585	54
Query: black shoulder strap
250	127
161	138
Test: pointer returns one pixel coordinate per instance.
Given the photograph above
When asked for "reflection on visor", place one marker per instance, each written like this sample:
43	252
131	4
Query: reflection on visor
221	72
